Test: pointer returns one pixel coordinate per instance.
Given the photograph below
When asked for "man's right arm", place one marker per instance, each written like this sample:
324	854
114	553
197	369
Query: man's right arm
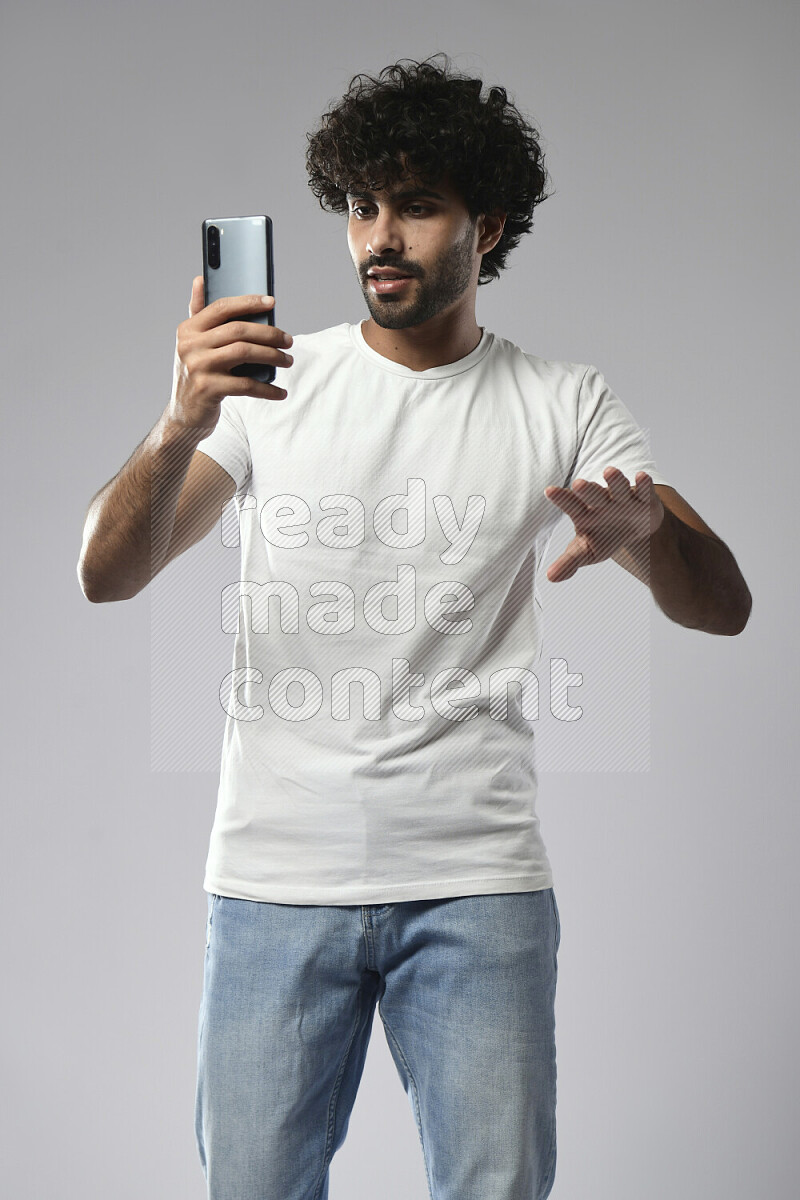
167	497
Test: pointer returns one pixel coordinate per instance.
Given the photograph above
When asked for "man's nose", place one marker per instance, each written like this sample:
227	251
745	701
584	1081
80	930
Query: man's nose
385	234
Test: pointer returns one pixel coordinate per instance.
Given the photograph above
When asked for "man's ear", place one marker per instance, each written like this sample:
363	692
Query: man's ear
491	226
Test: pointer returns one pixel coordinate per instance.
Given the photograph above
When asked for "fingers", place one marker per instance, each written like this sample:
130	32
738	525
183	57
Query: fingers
618	484
222	312
227	308
593	495
579	500
567	501
230	354
243	340
212	344
250	331
576	555
604	517
585	495
197	300
643	485
243	385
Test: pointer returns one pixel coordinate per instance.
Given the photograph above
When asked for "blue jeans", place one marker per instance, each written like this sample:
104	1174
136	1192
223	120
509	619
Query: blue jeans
466	991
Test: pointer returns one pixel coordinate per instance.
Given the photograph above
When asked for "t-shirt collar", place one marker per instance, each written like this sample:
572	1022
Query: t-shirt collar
442	372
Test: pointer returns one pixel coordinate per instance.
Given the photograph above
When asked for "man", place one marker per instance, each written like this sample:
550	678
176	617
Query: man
396	489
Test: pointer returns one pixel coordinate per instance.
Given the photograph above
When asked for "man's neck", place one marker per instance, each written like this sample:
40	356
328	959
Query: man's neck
420	348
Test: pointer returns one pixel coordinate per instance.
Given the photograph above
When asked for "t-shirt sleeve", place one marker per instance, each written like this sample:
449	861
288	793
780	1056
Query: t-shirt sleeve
228	443
608	436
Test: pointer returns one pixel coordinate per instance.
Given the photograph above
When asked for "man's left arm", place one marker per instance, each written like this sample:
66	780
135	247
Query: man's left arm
651	531
692	574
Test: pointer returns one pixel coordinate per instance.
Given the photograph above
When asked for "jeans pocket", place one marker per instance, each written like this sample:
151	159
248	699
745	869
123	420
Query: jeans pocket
212	904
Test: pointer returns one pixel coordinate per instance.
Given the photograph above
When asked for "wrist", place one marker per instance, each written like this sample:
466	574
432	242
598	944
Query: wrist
661	529
172	434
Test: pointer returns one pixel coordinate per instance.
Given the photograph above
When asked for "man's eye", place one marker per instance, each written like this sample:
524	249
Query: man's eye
357	208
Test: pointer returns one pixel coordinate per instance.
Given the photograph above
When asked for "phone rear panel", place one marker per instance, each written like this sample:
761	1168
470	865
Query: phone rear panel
245	267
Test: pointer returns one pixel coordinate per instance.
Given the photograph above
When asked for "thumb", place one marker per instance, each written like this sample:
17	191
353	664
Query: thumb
197	301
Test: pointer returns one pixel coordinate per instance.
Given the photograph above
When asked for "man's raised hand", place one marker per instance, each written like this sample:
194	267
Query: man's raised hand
605	518
209	344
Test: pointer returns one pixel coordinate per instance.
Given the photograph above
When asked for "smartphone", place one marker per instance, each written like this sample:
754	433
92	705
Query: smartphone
237	261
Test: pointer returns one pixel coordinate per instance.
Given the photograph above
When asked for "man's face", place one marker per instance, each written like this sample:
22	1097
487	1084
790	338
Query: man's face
428	237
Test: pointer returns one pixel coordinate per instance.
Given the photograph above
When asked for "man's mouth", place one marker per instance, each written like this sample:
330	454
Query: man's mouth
389	283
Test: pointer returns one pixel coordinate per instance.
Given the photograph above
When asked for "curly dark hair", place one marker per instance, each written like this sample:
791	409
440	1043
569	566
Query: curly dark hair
427	121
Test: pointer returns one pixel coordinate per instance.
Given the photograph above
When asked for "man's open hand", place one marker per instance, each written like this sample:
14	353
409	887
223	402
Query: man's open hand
605	518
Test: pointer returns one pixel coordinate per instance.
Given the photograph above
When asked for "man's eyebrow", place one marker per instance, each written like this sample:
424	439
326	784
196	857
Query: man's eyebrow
406	194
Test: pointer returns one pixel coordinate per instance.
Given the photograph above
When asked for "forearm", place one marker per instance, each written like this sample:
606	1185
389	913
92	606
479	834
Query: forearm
693	577
129	522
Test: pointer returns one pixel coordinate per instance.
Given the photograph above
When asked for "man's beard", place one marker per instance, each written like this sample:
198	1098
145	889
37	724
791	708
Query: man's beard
453	274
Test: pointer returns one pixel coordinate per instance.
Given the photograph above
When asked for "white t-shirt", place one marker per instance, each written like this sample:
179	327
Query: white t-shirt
378	747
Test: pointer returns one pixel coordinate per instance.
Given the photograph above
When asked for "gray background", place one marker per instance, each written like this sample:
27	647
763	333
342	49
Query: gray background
667	256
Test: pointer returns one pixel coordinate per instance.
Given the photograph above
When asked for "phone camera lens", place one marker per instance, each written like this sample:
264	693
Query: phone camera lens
213	247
